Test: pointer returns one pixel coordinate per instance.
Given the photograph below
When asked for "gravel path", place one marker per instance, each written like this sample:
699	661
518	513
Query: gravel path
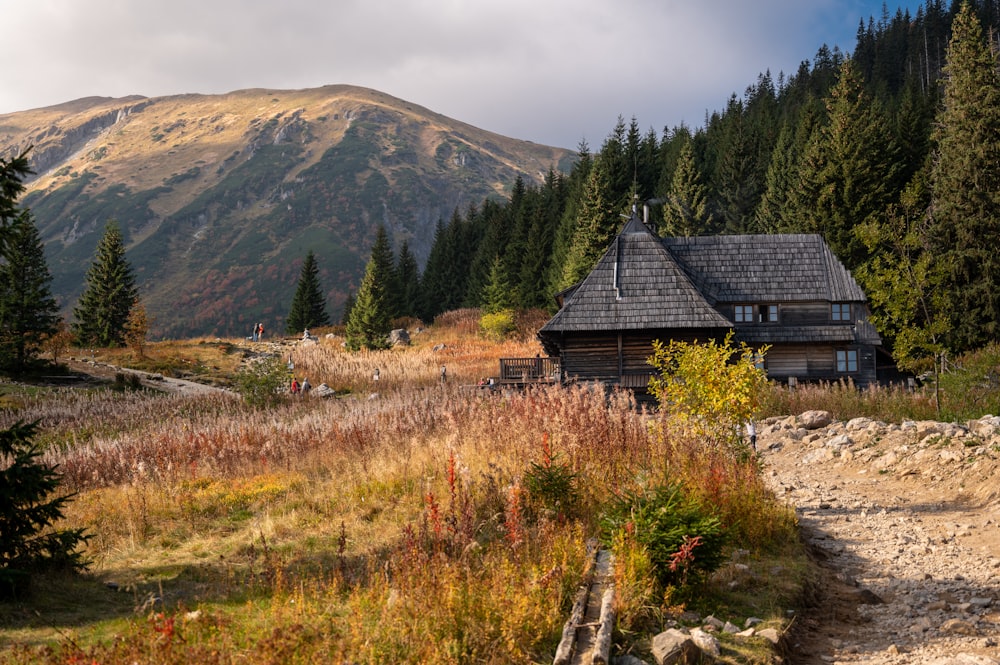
904	522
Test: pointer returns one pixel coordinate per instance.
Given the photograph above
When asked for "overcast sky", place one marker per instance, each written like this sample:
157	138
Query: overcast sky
549	71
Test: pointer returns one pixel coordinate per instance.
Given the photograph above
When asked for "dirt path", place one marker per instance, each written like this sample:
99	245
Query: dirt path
103	372
904	521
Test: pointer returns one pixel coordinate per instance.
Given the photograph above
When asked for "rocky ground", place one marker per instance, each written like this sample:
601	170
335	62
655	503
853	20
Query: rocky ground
904	520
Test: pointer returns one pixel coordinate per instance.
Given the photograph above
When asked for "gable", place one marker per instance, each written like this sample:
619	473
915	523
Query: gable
636	285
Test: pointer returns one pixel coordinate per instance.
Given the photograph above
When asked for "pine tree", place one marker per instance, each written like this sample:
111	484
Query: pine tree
598	222
850	171
29	509
686	210
370	320
965	184
308	308
345	316
498	295
109	295
408	282
12	174
28	312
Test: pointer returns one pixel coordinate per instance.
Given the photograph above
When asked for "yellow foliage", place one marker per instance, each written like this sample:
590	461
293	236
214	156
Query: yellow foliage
711	389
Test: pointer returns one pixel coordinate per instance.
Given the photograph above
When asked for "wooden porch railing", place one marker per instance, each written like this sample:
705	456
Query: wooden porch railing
529	370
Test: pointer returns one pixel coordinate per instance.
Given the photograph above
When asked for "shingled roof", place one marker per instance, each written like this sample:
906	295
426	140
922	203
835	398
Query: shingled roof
644	282
765	268
637	285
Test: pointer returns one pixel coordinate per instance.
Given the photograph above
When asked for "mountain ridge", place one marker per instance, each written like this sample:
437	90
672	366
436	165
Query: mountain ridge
220	196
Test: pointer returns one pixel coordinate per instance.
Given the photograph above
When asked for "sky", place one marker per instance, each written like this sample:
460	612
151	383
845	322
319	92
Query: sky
555	72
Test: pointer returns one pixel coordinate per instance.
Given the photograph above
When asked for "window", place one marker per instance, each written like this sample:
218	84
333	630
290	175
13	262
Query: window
768	313
743	314
840	311
847	360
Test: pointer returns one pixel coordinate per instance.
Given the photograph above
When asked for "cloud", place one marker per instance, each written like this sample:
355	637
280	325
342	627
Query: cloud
551	71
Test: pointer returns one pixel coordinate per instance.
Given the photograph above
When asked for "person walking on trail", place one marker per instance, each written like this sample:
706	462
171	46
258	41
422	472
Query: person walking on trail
752	434
260	329
306	386
295	386
444	373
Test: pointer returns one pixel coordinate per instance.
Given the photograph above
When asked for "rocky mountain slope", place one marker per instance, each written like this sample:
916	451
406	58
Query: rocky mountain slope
221	196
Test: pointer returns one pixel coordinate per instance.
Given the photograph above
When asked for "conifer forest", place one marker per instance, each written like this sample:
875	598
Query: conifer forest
891	152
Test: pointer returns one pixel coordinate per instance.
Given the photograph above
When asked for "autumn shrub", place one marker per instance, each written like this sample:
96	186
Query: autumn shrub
496	326
683	537
263	381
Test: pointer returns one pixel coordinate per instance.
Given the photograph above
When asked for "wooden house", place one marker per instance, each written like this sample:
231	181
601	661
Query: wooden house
787	291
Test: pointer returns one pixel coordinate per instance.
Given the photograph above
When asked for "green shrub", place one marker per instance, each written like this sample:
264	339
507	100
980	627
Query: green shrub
551	485
683	538
263	381
498	325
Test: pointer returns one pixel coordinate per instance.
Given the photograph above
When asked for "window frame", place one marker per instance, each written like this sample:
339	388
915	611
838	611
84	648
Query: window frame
743	314
768	313
844	359
840	312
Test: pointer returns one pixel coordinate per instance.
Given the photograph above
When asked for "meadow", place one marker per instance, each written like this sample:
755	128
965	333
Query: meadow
407	520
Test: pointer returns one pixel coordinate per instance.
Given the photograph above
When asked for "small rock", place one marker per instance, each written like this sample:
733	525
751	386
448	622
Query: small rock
770	634
958	627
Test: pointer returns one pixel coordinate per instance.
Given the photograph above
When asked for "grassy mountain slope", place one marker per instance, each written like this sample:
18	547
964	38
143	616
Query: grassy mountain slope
221	196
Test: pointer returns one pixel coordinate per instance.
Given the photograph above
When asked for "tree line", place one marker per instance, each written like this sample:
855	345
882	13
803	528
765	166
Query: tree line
892	154
889	153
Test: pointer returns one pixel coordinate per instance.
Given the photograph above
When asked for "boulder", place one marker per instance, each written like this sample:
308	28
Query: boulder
674	646
814	419
399	337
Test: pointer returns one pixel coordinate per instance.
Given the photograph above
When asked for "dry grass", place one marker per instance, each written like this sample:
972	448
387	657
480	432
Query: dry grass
387	529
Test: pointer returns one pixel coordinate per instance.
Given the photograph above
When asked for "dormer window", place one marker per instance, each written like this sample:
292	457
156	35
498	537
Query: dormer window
840	311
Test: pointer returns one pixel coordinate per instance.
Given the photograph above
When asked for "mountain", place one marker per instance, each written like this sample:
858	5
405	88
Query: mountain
220	197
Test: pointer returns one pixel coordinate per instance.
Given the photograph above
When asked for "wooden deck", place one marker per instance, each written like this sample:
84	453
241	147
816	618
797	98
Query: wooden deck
527	371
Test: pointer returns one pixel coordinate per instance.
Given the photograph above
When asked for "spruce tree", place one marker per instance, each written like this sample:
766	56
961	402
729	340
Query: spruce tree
370	321
597	224
497	295
851	168
109	294
407	282
965	184
29	509
686	210
28	312
308	308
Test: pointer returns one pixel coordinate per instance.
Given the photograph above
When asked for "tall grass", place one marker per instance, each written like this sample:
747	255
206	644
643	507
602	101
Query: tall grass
396	528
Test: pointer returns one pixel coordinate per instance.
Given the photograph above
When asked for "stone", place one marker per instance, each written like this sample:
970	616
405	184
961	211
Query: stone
713	623
323	390
673	646
958	627
770	634
814	419
706	642
627	659
399	337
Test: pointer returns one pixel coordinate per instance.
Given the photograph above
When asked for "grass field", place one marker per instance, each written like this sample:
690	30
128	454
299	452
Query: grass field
404	521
